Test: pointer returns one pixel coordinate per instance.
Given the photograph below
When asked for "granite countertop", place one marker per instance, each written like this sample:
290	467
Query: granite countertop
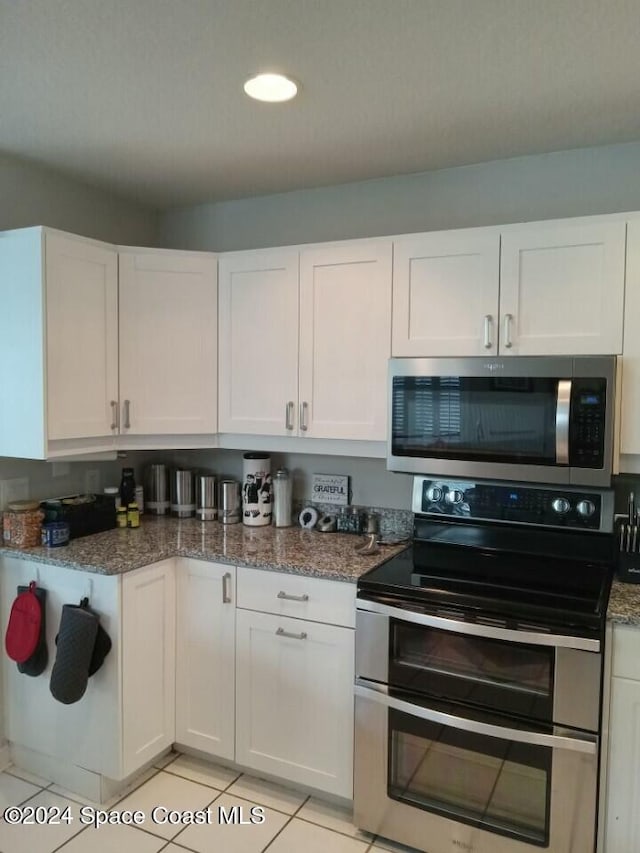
286	549
624	603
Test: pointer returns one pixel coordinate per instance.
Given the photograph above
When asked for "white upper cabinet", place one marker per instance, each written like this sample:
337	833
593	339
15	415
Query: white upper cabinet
82	337
630	397
345	340
304	341
168	343
445	293
258	333
562	288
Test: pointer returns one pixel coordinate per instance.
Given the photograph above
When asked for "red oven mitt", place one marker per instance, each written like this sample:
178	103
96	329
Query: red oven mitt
23	630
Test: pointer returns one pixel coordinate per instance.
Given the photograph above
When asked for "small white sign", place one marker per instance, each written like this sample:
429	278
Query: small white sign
330	489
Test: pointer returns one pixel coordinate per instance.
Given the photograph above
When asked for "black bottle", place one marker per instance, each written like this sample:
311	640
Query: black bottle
127	487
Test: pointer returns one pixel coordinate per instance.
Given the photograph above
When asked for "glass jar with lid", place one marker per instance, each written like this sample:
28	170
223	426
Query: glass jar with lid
22	524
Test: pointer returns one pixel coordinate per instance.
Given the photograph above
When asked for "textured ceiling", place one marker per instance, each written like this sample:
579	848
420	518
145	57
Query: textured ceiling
144	97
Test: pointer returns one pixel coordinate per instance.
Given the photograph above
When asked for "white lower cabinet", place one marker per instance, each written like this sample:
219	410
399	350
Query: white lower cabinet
622	816
126	716
205	657
294	678
148	663
294	696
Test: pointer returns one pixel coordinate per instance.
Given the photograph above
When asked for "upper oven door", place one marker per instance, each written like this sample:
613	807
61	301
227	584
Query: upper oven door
535	419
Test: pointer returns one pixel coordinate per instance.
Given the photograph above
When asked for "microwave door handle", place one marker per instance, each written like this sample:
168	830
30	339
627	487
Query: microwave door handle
563	405
379	693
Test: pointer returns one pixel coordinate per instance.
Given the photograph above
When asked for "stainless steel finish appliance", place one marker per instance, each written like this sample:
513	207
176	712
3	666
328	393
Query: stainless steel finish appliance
183	503
157	490
528	418
479	656
229	504
206	497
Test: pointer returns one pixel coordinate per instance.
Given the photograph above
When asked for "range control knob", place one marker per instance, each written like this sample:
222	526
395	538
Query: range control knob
561	506
434	494
454	496
586	508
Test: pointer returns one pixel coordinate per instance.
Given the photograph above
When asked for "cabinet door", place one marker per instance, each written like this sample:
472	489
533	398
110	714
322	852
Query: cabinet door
258	342
148	663
630	398
562	288
623	795
345	340
445	293
294	700
82	337
205	659
168	343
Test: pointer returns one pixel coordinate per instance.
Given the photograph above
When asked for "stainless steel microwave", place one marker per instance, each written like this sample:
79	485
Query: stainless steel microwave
542	419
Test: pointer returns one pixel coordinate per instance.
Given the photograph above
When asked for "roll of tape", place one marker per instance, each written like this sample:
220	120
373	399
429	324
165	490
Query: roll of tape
308	517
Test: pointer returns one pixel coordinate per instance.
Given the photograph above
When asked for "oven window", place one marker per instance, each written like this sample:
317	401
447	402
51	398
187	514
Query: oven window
507	677
486	419
496	784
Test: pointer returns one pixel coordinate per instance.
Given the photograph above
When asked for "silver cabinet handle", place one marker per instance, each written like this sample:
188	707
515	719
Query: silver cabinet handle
304	408
226	588
377	693
126	412
507	330
282	633
115	411
488	320
288	597
289	414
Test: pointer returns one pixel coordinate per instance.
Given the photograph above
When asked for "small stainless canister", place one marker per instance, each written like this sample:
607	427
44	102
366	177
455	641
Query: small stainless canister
206	503
229	503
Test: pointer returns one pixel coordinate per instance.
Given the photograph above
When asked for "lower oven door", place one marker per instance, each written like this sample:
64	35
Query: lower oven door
427	776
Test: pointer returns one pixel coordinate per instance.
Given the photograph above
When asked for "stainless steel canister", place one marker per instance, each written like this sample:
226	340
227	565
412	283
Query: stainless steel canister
282	498
229	503
206	503
183	504
157	490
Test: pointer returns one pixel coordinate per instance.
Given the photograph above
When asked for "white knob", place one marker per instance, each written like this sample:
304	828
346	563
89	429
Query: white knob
561	506
454	496
434	494
586	508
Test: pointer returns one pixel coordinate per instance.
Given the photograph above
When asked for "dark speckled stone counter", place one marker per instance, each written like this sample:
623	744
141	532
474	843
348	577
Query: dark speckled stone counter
624	603
288	549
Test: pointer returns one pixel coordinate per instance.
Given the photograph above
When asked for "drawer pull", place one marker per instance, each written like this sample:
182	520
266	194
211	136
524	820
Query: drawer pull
282	633
288	597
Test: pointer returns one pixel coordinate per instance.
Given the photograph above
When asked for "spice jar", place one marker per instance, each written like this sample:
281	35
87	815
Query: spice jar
22	524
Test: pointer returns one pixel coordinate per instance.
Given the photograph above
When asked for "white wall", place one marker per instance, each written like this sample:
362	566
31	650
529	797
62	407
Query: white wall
32	195
566	183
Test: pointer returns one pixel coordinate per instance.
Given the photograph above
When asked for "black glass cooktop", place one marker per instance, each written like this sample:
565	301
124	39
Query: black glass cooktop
543	577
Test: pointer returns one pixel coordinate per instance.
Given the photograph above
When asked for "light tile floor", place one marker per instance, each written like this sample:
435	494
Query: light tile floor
293	822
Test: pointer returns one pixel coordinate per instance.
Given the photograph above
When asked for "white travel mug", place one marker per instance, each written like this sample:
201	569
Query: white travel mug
256	489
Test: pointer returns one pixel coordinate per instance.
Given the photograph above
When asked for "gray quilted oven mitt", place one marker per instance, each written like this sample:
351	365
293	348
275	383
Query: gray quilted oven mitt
76	641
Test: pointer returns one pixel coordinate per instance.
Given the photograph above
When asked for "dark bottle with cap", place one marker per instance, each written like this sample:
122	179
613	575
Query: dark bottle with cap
127	487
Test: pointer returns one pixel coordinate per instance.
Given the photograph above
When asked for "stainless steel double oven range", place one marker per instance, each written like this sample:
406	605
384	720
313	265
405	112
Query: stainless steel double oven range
479	658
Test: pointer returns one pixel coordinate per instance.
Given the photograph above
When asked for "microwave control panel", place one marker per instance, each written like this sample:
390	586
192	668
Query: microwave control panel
550	507
587	422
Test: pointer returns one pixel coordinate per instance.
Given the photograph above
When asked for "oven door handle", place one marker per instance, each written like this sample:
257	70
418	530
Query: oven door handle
379	693
563	406
533	638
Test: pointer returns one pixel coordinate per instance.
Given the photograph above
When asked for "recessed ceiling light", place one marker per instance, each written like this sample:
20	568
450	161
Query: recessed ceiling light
271	87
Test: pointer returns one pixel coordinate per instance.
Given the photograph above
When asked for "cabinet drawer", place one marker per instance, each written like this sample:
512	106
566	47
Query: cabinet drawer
298	596
626	651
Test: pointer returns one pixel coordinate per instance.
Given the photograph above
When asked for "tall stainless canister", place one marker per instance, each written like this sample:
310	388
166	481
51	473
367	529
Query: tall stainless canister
206	504
183	504
229	503
157	490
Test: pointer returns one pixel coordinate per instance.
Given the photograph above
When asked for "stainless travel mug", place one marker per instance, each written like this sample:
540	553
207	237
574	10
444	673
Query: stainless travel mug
229	503
206	504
